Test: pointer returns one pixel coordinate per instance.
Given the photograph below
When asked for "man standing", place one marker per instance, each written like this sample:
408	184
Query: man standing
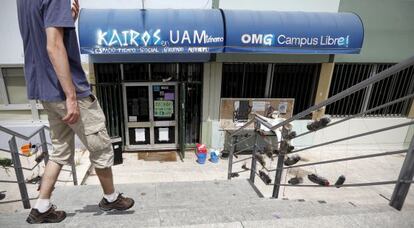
54	76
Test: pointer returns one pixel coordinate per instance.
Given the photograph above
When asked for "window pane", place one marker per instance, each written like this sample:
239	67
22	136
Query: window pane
15	85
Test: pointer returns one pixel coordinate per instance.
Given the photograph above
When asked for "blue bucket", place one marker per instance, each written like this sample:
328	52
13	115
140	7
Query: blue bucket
213	157
201	158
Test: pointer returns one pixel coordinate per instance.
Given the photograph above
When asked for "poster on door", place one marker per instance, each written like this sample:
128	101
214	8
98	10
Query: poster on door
163	108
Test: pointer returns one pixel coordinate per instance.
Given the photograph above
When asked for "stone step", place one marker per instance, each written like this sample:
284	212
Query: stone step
216	203
288	214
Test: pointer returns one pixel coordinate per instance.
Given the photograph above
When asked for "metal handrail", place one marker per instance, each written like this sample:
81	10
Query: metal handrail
371	80
14	151
359	114
17	134
348	185
354	136
407	171
344	159
242	127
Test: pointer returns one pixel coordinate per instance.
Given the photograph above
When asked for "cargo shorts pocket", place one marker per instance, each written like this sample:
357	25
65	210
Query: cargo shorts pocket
97	140
93	120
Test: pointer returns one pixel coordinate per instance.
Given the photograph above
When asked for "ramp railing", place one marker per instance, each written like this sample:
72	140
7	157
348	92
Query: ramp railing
285	149
16	163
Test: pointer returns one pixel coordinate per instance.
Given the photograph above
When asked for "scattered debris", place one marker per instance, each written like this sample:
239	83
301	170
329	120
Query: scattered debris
234	175
295	180
260	159
340	181
318	124
265	178
244	167
2	195
292	160
318	180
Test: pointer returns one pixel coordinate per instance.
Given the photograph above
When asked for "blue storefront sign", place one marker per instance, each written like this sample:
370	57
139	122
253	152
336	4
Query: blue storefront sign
293	32
134	31
196	31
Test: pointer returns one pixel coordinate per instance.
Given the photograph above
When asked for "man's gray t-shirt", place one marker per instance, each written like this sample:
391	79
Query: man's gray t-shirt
41	80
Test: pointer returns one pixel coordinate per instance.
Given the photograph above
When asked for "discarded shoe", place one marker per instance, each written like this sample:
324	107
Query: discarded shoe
50	216
285	146
324	121
224	154
34	180
244	167
318	180
265	178
260	159
340	181
269	154
318	124
234	175
295	180
292	160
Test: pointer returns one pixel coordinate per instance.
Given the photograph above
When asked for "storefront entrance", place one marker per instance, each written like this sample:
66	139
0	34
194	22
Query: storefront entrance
151	106
150	115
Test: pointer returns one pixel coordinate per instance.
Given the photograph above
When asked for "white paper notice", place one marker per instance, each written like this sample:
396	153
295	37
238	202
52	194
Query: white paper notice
132	119
258	106
163	134
139	135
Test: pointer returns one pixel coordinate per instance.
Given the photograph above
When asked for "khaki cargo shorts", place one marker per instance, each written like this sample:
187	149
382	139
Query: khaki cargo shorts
90	129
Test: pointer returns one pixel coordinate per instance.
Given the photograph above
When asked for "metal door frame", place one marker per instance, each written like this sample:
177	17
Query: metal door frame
151	123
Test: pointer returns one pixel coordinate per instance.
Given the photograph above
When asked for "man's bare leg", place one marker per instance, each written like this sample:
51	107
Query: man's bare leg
49	178
106	179
112	200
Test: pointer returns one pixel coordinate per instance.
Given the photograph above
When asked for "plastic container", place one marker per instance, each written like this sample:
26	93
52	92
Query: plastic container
214	156
201	158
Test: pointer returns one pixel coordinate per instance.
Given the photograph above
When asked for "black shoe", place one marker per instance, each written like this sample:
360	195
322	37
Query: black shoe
120	204
50	216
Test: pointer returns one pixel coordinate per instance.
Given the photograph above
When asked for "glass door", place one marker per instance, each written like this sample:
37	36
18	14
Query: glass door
164	113
150	115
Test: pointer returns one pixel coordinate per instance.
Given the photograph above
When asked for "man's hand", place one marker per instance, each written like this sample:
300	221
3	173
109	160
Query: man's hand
72	116
75	10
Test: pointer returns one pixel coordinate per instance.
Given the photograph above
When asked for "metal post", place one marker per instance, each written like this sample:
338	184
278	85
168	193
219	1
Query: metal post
74	175
19	172
182	120
231	151
254	162
279	167
406	174
278	177
44	145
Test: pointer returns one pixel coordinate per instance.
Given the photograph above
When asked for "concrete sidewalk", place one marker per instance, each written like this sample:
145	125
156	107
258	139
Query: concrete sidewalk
364	170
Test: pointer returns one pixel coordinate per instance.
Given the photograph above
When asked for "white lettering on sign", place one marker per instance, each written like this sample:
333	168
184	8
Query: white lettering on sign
185	36
285	40
128	37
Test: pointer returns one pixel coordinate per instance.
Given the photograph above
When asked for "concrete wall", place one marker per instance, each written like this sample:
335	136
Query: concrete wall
211	134
11	48
282	5
389	30
352	127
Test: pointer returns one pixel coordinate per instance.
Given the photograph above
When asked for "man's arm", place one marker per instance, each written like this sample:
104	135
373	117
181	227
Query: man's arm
58	56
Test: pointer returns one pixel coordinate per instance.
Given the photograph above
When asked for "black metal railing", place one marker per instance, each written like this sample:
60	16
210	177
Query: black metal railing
16	164
284	148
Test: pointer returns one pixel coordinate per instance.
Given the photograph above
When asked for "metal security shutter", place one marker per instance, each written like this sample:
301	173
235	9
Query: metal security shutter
345	76
247	80
297	81
392	88
191	75
109	92
389	89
